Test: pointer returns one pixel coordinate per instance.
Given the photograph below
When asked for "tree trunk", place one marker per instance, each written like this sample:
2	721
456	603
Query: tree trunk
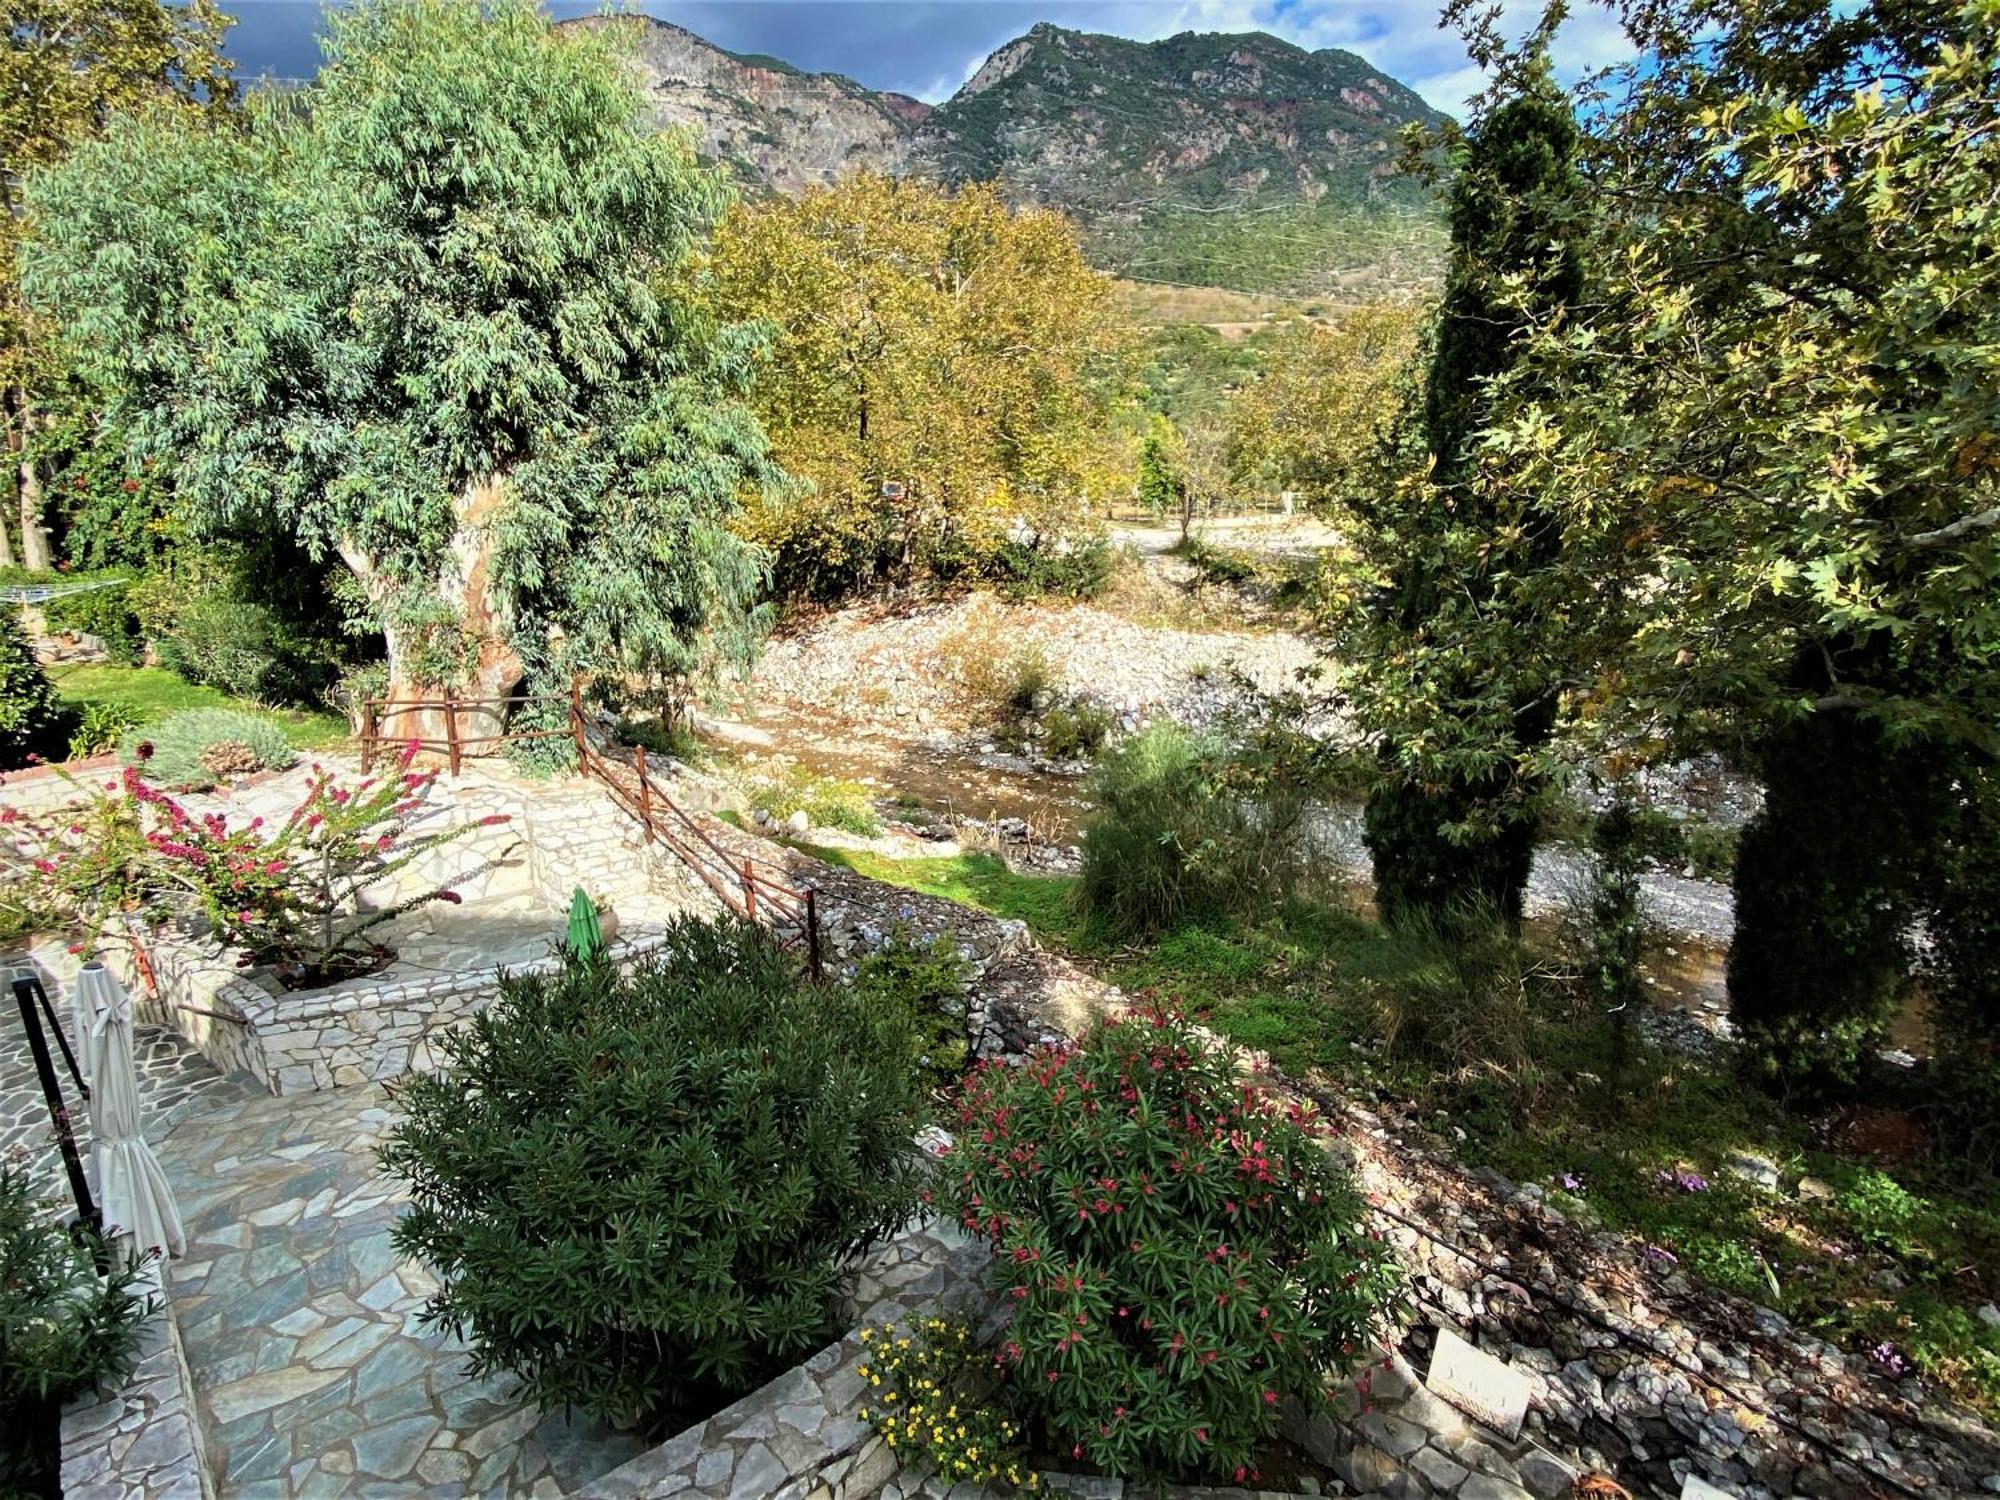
6	546
34	536
413	709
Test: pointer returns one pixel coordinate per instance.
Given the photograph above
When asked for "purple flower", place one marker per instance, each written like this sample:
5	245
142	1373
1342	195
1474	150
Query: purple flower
1889	1359
1570	1182
1686	1182
1663	1255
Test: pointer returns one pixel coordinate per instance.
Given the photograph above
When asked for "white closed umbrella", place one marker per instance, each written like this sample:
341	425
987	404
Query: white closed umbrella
132	1191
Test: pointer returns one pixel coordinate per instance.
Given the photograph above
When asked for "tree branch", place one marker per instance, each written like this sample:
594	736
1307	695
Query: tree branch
1964	526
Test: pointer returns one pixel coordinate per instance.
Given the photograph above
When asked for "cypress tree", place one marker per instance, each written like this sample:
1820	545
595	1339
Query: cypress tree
1466	837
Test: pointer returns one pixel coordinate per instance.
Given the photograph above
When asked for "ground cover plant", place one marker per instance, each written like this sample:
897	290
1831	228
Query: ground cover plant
199	747
641	1193
1180	1254
780	790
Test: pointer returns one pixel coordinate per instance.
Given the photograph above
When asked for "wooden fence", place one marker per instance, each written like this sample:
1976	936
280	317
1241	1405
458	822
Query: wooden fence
790	912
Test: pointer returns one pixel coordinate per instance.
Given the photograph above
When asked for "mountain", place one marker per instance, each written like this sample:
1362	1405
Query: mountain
780	129
1115	127
1235	159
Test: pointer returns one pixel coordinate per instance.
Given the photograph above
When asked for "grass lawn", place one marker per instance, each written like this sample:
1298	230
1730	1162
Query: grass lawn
1891	1262
158	692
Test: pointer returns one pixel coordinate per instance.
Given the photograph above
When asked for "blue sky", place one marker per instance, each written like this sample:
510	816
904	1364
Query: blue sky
928	49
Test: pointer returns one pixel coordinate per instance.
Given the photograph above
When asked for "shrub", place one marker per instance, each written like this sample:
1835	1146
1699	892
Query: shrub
1071	569
925	983
100	726
292	898
926	1396
1467	995
1182	828
104	613
1180	1254
256	622
1075	731
64	1330
1963	920
641	1193
781	791
32	718
1227	566
174	752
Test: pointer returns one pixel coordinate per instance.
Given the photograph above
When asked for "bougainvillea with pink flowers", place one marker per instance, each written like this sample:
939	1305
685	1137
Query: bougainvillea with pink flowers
1180	1253
291	896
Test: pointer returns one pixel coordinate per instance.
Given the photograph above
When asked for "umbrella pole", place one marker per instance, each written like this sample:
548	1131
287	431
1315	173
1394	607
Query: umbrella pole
38	1044
69	1057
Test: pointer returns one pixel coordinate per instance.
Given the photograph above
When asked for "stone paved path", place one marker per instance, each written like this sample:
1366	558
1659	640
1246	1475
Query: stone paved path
312	1374
174	1080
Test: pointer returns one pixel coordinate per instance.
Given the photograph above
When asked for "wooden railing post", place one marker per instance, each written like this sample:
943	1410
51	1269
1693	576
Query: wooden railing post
645	792
367	734
749	891
812	934
451	729
576	724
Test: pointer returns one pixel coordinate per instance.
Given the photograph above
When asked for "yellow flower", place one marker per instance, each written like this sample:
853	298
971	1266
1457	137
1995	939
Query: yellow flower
889	1438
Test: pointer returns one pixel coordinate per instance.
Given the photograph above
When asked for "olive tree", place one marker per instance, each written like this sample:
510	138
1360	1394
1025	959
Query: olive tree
416	316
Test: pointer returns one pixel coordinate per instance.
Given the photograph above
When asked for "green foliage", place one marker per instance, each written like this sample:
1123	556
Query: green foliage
927	1395
105	613
1451	817
941	374
101	726
554	755
1075	731
1169	1287
64	1331
1466	996
1613	935
200	746
259	621
446	259
641	1193
1064	567
1229	566
780	790
32	720
1181	827
1825	878
925	982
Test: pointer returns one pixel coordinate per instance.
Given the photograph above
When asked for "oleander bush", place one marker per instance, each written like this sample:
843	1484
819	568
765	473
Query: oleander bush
1181	1255
641	1193
64	1330
199	746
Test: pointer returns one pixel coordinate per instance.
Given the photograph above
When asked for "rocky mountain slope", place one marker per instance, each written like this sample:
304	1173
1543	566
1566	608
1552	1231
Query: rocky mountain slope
1186	159
1111	128
780	129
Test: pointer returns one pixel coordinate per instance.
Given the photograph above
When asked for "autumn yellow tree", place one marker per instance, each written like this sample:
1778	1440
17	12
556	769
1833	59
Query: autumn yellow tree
941	378
1317	420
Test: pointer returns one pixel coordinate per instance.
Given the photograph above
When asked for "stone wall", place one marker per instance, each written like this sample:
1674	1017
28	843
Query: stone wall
141	1442
798	1437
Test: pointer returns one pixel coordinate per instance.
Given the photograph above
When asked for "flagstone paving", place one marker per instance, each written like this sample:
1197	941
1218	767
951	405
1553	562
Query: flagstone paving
174	1079
312	1372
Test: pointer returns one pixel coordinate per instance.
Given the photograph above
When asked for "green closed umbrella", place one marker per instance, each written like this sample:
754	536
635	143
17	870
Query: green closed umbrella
586	938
